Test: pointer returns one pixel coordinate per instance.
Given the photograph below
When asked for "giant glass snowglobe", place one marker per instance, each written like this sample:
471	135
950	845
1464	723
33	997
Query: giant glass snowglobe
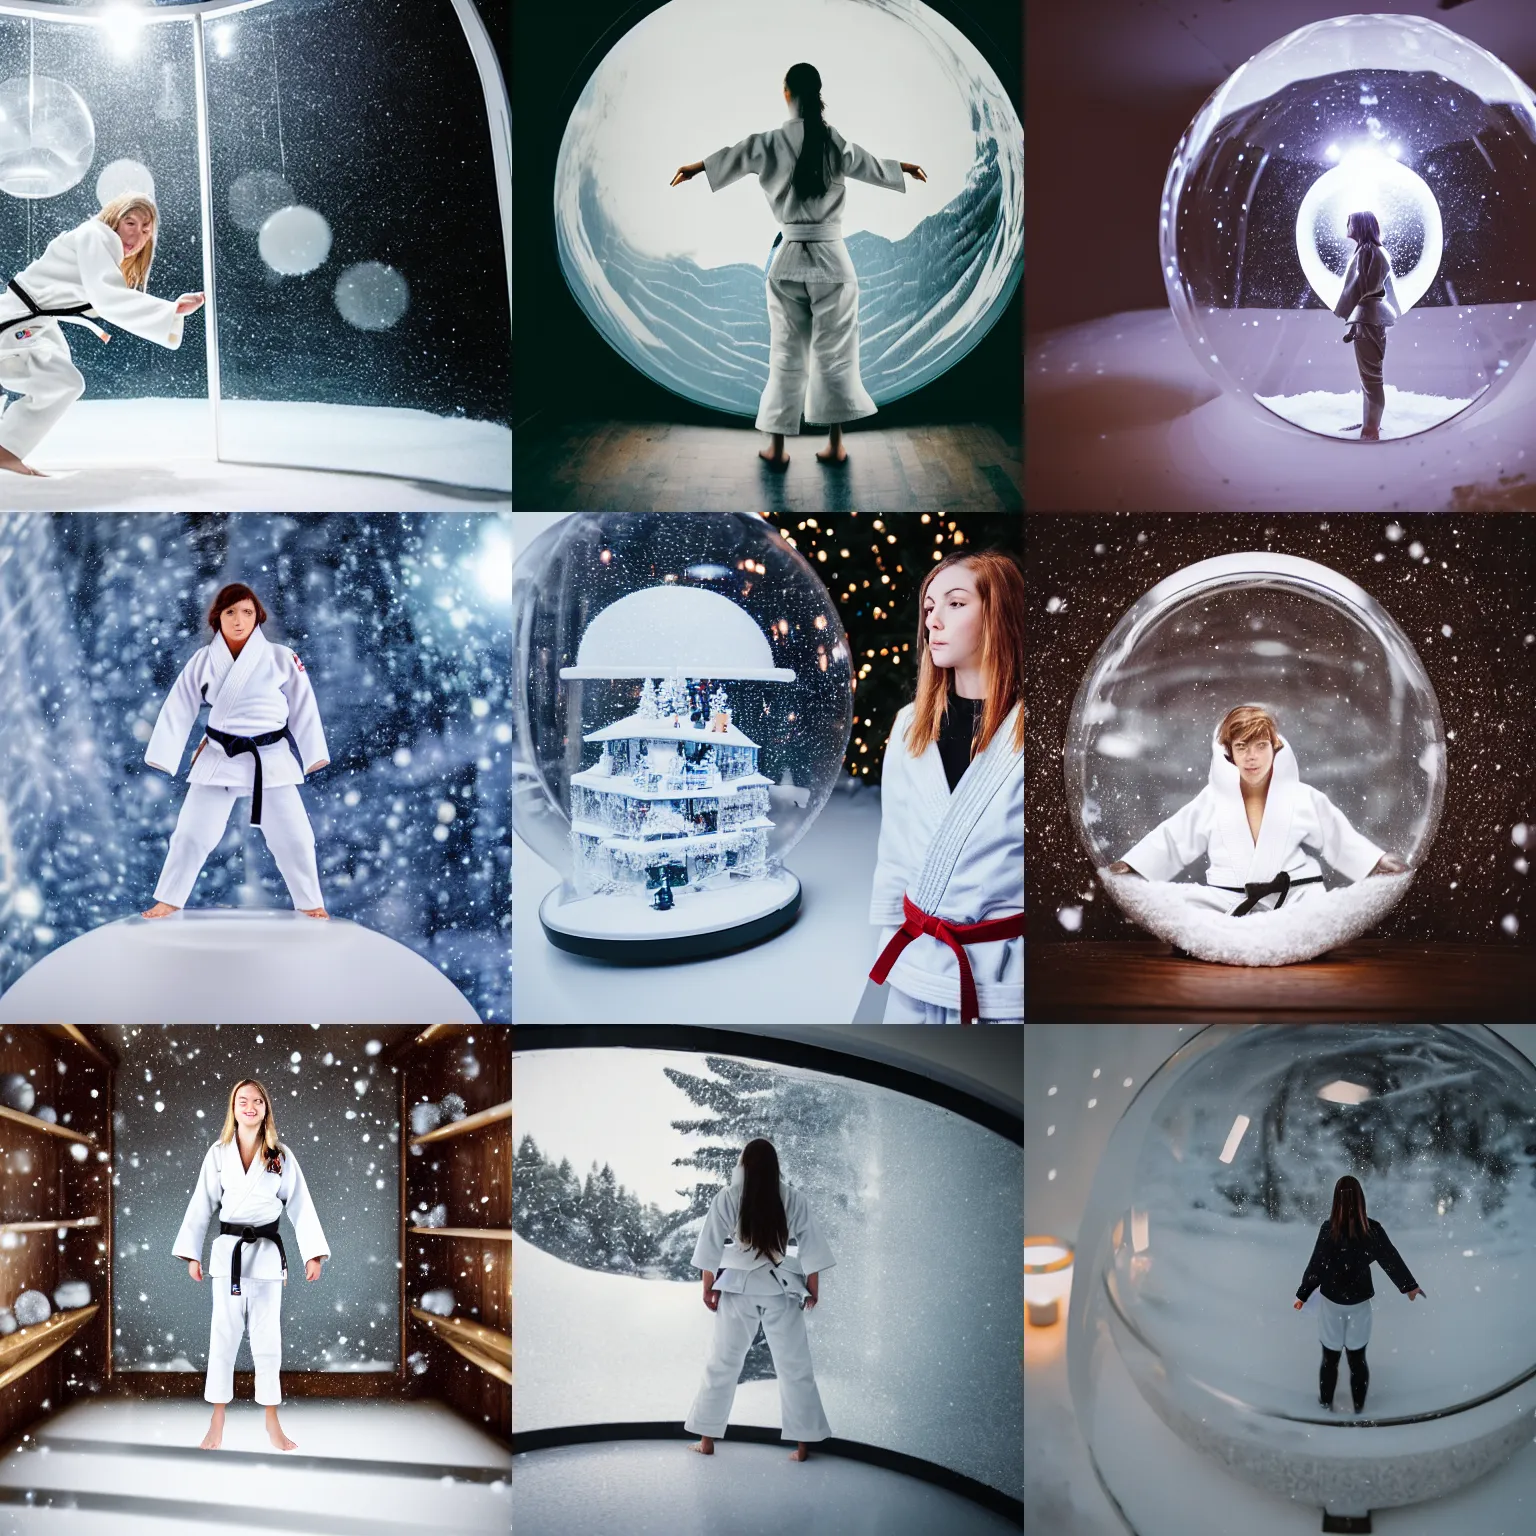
1352	701
1185	1350
682	699
672	277
1394	115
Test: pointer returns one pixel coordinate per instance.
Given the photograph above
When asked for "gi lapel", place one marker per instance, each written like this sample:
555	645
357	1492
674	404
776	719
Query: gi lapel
239	1180
1272	851
973	794
246	666
219	662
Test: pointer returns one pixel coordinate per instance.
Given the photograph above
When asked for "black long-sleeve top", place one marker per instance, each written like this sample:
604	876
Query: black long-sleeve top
1343	1270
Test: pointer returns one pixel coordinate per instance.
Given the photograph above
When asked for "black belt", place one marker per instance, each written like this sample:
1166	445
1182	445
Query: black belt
235	745
249	1235
34	312
1256	890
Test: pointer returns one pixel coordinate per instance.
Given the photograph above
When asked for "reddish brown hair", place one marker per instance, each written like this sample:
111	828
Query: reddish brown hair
1349	1218
999	577
235	592
1245	723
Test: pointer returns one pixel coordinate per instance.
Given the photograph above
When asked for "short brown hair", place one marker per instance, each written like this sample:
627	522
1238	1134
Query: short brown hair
235	592
1248	722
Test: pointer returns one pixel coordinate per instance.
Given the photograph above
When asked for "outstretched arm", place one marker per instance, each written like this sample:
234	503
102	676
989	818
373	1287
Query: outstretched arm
1171	846
1314	1275
156	320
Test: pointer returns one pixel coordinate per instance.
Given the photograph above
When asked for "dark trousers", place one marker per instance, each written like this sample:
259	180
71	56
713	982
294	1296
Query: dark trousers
1370	352
1359	1376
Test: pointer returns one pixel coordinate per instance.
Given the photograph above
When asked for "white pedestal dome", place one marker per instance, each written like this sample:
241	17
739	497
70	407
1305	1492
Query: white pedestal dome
218	966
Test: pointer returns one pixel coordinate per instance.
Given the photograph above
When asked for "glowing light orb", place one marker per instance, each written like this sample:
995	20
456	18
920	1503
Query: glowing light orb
672	277
121	177
1395	115
47	138
255	196
372	296
294	240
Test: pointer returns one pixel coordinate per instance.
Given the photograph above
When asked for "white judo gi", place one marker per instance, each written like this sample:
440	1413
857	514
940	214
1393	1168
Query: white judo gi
1296	818
263	689
960	857
757	1288
252	1196
81	266
813	291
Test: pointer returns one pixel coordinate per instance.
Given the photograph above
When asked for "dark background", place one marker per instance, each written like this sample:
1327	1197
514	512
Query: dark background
1484	676
561	365
1111	87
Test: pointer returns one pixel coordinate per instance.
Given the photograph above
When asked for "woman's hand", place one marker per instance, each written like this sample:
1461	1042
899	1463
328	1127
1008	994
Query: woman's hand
914	171
195	1270
813	1285
311	1269
1415	1293
1300	1305
1389	864
687	172
190	303
316	767
1120	867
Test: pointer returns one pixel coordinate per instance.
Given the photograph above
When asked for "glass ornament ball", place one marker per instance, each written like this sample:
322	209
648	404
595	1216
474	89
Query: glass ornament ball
593	625
294	240
254	196
1394	115
1185	1349
47	137
122	177
1343	681
372	296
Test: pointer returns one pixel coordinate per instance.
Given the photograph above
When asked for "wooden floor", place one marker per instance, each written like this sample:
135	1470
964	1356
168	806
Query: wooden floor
1369	981
625	466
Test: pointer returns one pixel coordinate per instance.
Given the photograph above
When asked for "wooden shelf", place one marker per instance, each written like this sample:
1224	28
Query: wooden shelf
496	1234
27	1348
467	1124
50	1129
75	1033
481	1346
48	1226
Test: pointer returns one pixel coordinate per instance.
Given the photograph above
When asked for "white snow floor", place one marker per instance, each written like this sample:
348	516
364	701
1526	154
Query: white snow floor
661	1488
158	455
1319	410
1120	415
123	1467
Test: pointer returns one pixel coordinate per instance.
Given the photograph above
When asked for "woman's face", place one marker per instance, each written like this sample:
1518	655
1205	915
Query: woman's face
952	615
1254	758
238	620
250	1107
133	229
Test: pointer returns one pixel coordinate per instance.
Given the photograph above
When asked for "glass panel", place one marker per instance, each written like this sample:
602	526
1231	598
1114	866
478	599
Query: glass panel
610	1325
361	282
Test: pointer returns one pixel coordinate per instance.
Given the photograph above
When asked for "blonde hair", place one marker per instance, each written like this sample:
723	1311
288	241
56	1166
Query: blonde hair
1245	723
999	578
271	1150
135	268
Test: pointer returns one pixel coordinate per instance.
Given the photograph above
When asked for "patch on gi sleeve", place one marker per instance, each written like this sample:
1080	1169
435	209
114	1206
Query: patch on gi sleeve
299	664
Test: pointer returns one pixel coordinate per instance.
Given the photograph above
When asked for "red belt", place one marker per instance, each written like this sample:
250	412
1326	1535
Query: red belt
957	936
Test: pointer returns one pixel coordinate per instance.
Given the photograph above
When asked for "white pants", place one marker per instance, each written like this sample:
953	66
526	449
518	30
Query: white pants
42	372
257	1309
1343	1327
204	815
813	356
902	1008
736	1323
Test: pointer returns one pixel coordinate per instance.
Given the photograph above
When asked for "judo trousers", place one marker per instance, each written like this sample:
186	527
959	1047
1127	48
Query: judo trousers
813	356
1370	353
257	1310
43	374
783	1322
204	815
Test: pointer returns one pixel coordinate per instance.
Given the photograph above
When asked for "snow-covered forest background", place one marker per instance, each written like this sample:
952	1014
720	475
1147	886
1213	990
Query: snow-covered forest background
403	623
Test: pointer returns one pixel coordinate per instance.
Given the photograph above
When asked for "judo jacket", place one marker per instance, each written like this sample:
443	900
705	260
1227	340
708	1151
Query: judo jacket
1369	297
1343	1270
744	1271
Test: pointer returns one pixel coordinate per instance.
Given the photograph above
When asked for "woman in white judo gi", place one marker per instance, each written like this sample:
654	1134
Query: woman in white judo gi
1369	303
259	699
948	893
750	1277
1255	821
100	268
249	1177
813	291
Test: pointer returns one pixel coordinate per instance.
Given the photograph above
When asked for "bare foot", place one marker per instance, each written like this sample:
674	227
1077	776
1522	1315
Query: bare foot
774	460
829	455
160	909
315	912
215	1436
276	1436
705	1447
8	460
801	1452
1370	434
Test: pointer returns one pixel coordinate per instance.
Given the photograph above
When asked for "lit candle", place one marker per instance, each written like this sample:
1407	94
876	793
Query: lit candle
1047	1278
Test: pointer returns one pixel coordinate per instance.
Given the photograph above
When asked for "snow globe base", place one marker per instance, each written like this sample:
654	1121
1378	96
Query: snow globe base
620	929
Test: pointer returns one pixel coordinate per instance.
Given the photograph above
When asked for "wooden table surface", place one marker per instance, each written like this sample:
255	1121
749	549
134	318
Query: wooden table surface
1371	980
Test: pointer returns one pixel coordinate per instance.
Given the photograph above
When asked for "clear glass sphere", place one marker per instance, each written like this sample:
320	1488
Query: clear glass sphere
47	138
1183	1334
1394	115
1346	686
672	277
742	602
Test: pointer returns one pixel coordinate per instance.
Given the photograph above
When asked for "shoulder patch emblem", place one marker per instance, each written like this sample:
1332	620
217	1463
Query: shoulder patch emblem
299	664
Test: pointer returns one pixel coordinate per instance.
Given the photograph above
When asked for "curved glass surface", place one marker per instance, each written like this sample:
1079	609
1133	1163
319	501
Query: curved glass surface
1394	115
1202	1219
610	1327
673	277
